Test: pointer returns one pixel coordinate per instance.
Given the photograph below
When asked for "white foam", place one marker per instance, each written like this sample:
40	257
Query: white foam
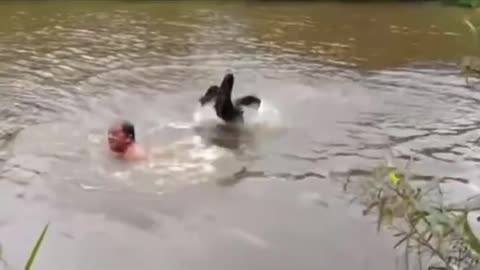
266	115
180	125
204	114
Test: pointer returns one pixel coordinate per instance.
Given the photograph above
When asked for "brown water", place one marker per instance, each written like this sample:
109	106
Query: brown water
344	87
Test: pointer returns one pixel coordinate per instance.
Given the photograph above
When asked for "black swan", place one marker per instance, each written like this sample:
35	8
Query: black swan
228	111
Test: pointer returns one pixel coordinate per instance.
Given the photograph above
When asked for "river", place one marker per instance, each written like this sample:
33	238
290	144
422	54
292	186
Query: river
344	87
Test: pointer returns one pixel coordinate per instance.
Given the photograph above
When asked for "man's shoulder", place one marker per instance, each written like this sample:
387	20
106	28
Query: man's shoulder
135	152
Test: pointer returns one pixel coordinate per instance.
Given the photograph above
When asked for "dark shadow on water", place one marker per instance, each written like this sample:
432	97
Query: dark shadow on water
231	137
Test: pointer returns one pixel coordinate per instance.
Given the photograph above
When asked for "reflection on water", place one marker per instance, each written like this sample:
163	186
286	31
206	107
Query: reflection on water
340	84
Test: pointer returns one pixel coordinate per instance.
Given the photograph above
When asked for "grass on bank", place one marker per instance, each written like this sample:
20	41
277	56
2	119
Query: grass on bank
432	235
36	248
33	253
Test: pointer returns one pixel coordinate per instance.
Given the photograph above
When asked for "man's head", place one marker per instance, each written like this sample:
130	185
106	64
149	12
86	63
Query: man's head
120	136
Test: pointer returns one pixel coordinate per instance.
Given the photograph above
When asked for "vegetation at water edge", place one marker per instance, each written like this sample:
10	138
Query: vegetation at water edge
433	235
33	254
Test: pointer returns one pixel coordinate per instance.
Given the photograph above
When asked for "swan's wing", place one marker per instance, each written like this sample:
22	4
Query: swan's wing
248	101
209	95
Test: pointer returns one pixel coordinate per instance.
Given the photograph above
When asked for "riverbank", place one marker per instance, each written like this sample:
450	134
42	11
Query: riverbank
462	3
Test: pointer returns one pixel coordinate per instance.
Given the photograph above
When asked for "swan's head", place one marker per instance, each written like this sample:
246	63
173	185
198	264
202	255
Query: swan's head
213	92
227	85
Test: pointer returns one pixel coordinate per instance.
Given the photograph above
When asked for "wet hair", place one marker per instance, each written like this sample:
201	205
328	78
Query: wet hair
128	128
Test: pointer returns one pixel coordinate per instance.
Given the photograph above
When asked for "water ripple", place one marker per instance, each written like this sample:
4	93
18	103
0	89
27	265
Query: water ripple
93	67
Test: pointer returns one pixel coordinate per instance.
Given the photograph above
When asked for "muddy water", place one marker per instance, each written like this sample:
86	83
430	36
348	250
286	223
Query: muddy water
344	86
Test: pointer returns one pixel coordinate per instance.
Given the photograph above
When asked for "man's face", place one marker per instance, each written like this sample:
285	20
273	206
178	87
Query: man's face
118	140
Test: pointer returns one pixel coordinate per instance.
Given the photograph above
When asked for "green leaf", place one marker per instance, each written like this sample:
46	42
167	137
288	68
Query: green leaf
381	207
419	215
394	178
36	248
469	236
387	216
439	224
